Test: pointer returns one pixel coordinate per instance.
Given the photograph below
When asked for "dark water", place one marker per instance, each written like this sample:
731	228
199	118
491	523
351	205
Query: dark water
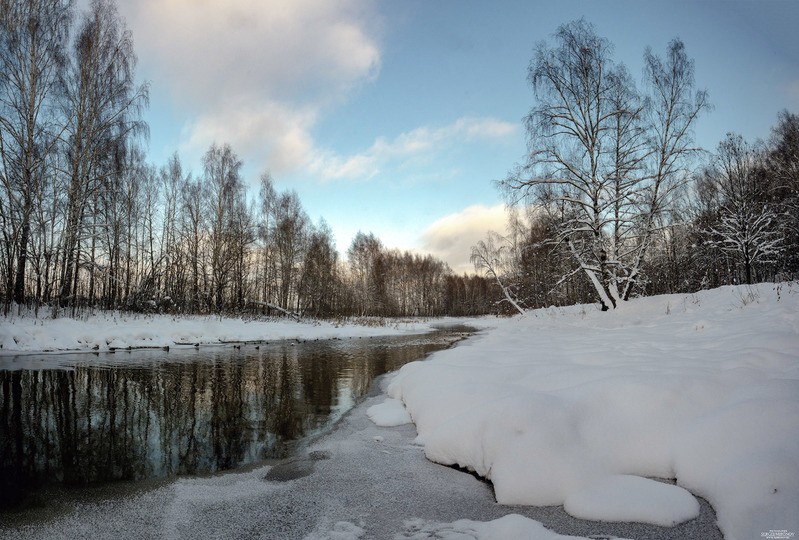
86	420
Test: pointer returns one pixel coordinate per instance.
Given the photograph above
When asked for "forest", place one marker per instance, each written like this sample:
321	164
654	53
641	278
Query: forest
613	200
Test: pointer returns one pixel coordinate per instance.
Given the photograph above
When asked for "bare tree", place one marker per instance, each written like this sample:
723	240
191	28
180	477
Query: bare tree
602	160
193	223
490	256
319	282
103	103
289	235
362	256
173	182
267	197
222	177
567	144
782	166
672	109
32	54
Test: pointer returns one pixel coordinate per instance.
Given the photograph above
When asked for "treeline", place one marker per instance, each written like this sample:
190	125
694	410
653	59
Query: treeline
87	223
615	200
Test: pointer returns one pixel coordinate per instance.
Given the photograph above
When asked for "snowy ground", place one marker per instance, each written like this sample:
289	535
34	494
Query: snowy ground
572	410
580	408
117	331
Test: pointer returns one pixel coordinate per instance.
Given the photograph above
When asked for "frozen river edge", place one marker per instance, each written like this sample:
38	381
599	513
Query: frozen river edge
378	481
359	481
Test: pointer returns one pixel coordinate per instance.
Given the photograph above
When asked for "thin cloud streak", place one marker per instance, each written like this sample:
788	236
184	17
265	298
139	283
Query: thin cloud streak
409	145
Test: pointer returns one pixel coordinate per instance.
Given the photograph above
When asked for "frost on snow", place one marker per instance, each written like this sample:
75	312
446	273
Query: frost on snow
573	406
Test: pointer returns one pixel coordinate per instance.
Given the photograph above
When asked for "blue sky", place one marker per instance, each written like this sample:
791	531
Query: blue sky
395	117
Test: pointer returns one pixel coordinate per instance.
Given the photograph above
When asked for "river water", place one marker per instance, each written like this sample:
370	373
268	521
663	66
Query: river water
72	421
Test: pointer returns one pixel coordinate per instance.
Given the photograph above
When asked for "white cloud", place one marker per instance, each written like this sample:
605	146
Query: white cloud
409	145
451	238
256	73
272	131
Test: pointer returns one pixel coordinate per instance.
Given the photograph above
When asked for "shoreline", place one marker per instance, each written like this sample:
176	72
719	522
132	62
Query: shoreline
356	481
439	494
107	332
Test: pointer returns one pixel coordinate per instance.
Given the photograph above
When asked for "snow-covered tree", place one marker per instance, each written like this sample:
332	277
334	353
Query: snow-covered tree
747	227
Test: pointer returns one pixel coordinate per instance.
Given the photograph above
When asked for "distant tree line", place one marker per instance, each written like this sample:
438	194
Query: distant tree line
615	200
87	223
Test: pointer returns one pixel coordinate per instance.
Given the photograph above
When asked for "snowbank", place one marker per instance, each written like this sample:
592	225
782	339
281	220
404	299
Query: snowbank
113	331
390	413
577	407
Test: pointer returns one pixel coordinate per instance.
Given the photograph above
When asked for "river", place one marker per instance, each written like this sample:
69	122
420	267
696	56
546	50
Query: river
78	421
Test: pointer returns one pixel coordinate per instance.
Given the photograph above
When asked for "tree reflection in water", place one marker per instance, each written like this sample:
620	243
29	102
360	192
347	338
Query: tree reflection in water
132	416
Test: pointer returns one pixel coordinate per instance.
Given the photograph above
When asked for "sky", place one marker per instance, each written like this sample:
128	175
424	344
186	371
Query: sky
396	117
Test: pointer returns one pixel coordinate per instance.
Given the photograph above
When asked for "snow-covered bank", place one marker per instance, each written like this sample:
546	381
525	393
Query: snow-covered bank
109	331
580	408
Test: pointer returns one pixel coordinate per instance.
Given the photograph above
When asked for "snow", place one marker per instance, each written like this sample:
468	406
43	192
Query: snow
575	407
389	413
106	332
623	497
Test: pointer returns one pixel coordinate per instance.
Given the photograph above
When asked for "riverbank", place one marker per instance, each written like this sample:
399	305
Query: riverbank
361	481
109	331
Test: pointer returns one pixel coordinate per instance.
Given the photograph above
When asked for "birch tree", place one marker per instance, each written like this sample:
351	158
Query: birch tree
490	257
673	106
289	235
222	176
603	160
33	36
567	131
103	104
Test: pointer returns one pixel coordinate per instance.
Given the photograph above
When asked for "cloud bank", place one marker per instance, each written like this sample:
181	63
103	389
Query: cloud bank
451	238
257	73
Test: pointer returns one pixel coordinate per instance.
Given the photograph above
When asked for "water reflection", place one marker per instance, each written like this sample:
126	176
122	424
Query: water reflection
141	415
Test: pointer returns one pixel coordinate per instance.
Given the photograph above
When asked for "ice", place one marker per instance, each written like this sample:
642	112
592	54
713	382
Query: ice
342	530
507	527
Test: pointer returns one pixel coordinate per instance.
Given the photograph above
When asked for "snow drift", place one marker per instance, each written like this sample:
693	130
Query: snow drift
586	409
